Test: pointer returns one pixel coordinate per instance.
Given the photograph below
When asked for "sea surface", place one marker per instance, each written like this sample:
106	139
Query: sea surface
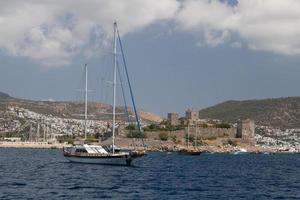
45	174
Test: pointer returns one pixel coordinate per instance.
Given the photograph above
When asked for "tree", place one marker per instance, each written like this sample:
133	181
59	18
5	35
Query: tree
232	142
204	125
135	134
223	125
174	138
152	127
163	136
189	137
131	127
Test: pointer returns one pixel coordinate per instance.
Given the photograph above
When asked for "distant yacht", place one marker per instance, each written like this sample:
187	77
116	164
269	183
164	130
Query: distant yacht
87	153
240	151
188	151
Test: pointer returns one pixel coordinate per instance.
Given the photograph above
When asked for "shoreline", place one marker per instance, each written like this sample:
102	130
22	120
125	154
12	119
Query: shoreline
203	149
31	145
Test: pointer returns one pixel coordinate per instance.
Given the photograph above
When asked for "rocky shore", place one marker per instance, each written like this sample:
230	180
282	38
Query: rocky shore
31	145
165	146
211	147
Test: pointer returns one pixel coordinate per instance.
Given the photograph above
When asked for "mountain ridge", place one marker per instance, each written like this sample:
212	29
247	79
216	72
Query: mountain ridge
2	94
283	112
71	109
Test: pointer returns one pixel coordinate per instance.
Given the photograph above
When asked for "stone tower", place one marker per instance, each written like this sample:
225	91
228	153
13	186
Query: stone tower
191	116
173	118
246	129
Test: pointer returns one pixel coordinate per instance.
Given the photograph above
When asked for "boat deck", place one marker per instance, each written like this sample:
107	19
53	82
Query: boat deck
133	154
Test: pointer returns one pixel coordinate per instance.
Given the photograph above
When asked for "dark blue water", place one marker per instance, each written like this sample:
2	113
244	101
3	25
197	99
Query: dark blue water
45	174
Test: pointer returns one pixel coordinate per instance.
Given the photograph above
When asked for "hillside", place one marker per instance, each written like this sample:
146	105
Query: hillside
279	112
71	109
4	95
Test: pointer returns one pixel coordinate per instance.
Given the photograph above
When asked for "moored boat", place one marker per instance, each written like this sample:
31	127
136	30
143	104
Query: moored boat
240	151
188	150
192	152
97	154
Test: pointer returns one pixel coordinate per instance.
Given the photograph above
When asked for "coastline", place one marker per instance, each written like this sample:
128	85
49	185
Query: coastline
31	145
163	148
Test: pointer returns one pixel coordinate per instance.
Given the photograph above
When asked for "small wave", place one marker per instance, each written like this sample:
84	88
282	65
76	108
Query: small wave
78	187
18	184
83	187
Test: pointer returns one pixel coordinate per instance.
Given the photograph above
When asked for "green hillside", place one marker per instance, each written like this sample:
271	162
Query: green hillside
279	112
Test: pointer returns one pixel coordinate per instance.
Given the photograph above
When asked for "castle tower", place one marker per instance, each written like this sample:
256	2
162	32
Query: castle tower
191	116
173	118
246	130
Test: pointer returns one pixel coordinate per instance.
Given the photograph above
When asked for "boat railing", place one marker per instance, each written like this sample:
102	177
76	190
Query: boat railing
96	154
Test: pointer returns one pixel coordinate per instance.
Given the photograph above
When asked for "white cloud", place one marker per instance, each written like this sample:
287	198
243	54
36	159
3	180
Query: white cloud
53	31
269	25
236	44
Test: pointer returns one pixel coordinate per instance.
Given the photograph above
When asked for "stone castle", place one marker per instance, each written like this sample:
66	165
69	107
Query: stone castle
244	131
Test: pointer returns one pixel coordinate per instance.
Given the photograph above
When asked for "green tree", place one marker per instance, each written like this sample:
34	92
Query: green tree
174	138
163	136
136	134
204	125
190	137
223	125
65	138
131	127
152	127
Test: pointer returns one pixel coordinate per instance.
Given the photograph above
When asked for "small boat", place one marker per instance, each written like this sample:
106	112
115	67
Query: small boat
192	152
240	151
189	151
88	153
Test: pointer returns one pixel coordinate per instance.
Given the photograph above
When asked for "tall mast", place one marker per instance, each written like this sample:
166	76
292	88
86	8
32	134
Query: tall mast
44	136
30	133
85	100
47	132
188	136
114	88
37	132
196	143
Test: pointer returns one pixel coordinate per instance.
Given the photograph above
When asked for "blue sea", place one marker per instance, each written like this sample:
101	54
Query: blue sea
45	174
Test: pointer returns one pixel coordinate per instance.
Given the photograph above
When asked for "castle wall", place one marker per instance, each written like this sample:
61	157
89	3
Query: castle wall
204	133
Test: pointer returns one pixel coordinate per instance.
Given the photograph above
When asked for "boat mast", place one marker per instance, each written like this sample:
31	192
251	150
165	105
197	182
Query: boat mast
188	136
30	133
130	88
114	87
44	136
196	143
47	132
37	132
85	100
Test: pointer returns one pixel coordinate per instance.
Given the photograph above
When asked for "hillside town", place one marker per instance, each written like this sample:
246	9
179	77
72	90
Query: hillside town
19	120
22	125
281	140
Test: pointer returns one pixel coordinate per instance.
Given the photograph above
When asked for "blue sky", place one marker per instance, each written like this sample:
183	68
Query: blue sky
178	58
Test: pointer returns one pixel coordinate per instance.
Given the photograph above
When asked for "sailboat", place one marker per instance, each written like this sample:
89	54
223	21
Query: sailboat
87	153
189	151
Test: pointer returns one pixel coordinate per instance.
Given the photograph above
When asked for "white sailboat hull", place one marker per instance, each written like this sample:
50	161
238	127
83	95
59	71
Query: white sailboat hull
107	161
95	154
